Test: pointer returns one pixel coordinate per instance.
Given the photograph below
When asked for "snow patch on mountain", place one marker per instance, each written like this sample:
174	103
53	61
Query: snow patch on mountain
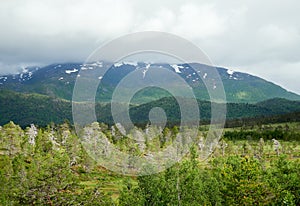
145	70
177	68
24	70
230	72
131	63
118	64
71	71
3	78
84	68
232	75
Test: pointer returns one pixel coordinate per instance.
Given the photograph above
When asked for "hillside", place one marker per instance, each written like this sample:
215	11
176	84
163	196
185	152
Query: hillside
25	109
57	80
269	108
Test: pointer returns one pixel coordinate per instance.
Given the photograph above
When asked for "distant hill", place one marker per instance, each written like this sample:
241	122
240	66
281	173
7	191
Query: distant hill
280	105
57	80
272	107
25	109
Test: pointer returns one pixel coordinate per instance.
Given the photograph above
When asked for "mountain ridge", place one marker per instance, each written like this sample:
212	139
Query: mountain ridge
57	80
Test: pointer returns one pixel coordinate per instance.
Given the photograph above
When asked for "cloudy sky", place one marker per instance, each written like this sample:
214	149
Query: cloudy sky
254	36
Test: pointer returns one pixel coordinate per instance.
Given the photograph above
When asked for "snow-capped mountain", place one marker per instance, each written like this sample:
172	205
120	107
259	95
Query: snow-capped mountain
58	80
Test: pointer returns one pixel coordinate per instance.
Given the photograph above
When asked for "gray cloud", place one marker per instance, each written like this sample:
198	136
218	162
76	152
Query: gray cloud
258	37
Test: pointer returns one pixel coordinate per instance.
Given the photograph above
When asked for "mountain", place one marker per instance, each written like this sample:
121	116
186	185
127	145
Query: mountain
25	109
57	80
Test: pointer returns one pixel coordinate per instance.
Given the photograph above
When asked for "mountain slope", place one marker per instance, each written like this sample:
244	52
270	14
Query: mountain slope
234	110
25	109
57	80
280	105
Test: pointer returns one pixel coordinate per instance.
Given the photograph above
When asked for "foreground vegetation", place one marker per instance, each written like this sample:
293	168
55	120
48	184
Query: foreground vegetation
49	166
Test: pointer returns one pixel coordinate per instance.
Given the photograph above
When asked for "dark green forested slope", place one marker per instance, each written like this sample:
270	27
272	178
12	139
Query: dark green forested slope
25	109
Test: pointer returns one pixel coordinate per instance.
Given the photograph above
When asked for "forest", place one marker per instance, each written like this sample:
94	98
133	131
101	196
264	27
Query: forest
24	109
251	165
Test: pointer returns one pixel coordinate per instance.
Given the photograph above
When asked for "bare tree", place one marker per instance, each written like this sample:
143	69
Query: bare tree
276	146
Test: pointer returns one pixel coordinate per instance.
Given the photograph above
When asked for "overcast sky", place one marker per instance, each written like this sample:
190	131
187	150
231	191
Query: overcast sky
260	37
